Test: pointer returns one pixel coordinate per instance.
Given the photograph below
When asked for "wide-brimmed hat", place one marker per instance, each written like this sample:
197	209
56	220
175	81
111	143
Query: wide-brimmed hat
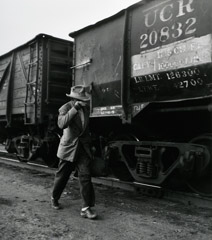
78	92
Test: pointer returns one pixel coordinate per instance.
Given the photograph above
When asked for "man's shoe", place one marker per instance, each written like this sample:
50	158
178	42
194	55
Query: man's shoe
55	204
88	213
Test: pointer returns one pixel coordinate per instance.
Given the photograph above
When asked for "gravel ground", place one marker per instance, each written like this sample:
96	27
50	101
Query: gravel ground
26	213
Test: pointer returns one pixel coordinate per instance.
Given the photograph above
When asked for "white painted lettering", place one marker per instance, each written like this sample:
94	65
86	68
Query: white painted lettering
147	18
162	13
187	7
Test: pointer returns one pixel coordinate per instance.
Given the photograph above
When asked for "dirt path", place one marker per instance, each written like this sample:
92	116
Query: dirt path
26	213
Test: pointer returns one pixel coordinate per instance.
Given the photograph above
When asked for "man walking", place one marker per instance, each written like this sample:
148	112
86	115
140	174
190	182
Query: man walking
74	150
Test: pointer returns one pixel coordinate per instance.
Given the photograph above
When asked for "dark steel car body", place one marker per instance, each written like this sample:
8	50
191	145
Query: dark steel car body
149	69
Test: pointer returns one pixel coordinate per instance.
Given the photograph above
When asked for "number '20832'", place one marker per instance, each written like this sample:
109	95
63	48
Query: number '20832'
166	14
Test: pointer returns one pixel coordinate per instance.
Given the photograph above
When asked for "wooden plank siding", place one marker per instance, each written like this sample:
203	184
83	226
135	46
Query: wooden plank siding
45	60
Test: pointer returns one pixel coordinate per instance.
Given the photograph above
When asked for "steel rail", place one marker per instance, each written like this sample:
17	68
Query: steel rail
189	199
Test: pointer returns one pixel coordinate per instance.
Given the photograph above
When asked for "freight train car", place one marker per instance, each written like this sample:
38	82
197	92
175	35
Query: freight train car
34	79
149	69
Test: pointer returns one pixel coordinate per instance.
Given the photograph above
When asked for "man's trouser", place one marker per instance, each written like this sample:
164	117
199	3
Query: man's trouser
82	165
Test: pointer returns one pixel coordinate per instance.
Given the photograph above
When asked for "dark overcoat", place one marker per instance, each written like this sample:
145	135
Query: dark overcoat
75	131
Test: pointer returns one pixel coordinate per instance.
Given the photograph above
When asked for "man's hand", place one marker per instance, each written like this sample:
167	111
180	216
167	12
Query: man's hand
79	104
82	104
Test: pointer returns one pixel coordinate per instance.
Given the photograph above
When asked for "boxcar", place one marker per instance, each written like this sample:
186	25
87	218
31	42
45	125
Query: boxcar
149	69
34	78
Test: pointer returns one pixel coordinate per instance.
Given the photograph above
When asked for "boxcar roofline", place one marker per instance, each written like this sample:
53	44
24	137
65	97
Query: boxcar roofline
40	35
120	13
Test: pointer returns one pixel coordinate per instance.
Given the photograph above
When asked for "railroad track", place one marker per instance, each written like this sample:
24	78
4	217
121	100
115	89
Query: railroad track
152	191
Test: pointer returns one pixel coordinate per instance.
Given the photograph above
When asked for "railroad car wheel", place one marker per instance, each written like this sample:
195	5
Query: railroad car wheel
201	179
29	149
118	168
